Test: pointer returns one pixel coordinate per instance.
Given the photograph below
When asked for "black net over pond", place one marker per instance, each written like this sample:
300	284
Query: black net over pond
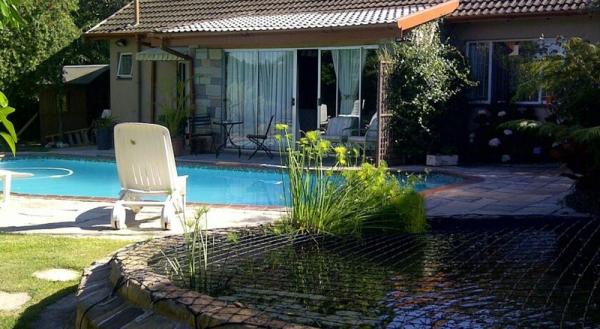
537	273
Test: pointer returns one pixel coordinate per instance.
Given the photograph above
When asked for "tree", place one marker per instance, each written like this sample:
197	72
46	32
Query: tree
49	37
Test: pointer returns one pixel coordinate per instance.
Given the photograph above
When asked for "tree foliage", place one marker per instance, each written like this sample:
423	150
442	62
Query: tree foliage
572	83
49	37
424	74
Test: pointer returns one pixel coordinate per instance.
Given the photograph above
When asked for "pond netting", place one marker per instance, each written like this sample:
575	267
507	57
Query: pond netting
539	273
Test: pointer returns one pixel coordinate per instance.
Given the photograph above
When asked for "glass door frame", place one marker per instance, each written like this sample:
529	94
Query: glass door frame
362	49
295	78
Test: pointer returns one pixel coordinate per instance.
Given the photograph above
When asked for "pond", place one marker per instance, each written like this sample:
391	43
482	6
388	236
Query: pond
476	274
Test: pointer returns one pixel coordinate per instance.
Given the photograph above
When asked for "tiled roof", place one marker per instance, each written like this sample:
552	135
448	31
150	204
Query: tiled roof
482	8
300	20
245	15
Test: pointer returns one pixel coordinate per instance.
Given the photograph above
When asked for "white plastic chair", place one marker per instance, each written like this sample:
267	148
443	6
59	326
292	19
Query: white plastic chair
146	167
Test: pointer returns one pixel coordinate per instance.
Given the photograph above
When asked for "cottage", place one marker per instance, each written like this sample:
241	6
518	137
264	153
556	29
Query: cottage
309	60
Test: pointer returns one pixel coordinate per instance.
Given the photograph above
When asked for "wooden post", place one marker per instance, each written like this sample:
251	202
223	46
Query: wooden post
137	12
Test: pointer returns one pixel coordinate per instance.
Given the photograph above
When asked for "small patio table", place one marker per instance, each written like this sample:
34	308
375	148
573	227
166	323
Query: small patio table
7	176
227	127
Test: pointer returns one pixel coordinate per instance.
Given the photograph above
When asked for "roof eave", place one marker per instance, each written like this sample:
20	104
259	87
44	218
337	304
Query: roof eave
110	35
427	15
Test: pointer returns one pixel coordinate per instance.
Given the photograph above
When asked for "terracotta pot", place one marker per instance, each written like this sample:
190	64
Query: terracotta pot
178	145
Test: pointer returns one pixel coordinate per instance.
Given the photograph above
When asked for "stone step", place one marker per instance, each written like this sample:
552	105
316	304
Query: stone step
100	307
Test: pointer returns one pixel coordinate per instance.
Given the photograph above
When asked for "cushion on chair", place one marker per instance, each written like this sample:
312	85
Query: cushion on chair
371	134
340	126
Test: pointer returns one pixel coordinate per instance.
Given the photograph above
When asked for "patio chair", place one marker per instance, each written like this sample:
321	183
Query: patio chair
201	126
323	117
369	139
259	141
146	167
7	176
340	128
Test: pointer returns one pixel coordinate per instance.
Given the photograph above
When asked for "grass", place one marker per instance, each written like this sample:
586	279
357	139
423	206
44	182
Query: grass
21	255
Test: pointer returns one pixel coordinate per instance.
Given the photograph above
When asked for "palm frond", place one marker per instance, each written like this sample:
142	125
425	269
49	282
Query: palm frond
586	135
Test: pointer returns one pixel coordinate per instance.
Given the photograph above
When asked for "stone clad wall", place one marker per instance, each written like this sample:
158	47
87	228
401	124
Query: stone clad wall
209	81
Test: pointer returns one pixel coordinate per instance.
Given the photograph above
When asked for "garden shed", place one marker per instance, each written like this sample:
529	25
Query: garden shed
76	104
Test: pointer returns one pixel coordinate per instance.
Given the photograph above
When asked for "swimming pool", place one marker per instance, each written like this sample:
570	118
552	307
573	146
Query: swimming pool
206	184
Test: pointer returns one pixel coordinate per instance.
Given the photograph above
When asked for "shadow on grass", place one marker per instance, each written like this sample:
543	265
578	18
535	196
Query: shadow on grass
31	314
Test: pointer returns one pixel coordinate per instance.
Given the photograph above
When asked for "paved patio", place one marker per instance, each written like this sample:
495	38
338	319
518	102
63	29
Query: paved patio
92	218
520	190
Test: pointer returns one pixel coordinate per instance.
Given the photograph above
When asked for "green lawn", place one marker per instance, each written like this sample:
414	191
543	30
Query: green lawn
21	255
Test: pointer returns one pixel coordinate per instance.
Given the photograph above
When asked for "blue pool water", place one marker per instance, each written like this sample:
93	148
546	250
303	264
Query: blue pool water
67	177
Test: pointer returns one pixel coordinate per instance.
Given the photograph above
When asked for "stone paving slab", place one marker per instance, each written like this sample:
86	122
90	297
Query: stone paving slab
504	191
13	301
28	214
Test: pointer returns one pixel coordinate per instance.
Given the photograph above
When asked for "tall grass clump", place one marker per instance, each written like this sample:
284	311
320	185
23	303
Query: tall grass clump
191	264
338	198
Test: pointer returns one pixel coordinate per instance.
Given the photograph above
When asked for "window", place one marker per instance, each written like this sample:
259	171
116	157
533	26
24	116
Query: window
496	66
479	59
125	67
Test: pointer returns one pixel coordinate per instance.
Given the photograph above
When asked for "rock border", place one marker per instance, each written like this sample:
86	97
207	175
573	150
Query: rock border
128	277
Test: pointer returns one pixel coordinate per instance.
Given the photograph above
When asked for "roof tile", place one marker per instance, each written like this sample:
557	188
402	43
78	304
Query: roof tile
245	15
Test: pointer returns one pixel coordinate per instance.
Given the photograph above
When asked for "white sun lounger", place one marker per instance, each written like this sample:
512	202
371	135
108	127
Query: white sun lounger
146	167
7	176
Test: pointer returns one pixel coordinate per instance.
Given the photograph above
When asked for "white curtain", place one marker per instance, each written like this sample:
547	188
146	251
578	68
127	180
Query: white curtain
242	92
275	89
348	64
258	85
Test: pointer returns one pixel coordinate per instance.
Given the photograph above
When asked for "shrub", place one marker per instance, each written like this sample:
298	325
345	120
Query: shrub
423	75
339	200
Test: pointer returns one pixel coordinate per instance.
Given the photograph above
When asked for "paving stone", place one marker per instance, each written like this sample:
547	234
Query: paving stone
57	274
13	301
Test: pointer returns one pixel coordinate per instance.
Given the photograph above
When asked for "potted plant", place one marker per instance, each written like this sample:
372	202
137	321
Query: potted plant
446	157
104	132
174	115
174	120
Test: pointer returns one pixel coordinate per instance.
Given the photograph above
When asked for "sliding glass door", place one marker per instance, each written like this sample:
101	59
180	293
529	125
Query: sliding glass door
346	76
259	85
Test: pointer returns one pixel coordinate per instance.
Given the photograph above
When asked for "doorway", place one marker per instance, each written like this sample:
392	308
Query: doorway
308	74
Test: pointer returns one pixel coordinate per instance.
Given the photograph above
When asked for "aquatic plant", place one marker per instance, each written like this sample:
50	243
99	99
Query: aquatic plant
191	269
338	199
